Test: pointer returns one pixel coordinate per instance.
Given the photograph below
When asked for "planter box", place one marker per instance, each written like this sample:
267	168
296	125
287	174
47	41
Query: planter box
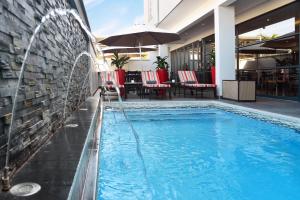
121	74
239	90
163	75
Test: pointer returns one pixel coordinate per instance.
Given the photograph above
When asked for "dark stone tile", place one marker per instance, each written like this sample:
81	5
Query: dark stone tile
54	166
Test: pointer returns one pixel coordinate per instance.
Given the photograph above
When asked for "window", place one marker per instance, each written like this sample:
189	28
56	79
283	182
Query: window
268	52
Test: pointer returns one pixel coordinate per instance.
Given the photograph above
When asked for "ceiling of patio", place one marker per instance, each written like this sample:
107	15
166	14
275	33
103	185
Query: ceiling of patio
205	23
185	14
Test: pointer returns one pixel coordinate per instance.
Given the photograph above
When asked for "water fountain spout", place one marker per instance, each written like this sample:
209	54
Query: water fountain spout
51	14
86	78
134	132
5	179
71	74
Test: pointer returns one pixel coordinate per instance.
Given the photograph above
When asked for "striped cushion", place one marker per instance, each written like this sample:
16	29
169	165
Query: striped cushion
185	76
112	86
152	76
108	76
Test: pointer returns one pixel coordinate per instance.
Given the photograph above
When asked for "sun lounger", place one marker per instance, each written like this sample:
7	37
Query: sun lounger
151	82
188	80
109	80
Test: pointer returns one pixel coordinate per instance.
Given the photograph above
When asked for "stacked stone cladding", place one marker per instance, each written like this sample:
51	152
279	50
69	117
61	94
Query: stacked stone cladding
42	93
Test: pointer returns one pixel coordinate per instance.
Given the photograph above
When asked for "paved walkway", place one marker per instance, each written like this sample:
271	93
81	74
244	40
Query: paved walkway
285	107
54	166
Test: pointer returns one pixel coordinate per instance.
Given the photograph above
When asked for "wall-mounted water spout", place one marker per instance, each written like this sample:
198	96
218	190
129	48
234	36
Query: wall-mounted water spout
50	15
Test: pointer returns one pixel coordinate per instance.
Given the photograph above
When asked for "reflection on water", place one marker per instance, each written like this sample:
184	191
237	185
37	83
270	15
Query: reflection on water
197	154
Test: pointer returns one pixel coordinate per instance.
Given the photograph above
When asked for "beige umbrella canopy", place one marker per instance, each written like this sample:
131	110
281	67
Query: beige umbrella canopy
127	49
260	49
288	41
141	35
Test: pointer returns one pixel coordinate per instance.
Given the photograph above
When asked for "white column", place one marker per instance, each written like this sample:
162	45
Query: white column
224	45
163	50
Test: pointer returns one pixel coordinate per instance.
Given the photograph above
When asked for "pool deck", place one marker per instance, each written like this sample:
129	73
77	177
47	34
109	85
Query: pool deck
284	107
54	166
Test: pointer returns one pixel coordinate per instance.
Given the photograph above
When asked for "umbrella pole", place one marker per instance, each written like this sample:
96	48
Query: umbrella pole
140	50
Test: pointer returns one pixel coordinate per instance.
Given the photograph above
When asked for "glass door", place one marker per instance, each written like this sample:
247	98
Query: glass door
269	54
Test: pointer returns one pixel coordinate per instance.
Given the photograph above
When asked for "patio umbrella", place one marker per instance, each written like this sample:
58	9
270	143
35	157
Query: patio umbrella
127	49
260	49
141	35
288	41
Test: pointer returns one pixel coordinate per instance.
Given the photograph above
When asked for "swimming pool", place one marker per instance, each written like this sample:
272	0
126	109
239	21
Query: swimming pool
197	153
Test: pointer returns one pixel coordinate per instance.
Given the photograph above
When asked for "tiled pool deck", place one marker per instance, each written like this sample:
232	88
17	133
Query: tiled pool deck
53	167
284	107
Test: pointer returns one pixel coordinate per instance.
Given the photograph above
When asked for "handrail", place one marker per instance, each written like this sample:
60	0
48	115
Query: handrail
79	181
90	180
97	144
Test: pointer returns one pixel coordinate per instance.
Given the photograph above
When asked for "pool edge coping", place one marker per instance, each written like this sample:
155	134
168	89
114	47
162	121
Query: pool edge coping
281	119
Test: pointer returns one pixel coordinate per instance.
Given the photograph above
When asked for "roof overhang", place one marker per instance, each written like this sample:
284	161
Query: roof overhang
190	12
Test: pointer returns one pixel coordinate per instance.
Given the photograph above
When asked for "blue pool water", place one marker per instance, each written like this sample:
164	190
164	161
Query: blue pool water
197	153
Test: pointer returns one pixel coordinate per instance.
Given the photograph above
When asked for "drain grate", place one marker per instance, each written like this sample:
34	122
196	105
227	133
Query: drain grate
72	125
25	189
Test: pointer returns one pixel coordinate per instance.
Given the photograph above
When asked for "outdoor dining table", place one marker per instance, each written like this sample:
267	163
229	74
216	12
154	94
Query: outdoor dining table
174	85
277	84
137	86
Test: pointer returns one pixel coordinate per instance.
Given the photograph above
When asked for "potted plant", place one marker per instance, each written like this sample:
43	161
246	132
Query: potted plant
212	62
162	68
119	62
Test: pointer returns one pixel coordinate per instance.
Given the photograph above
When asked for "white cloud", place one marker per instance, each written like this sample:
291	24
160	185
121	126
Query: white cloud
92	3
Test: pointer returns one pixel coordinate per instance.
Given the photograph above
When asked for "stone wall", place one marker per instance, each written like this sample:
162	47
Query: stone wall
41	96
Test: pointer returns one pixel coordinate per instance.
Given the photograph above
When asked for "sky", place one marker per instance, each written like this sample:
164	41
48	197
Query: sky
108	17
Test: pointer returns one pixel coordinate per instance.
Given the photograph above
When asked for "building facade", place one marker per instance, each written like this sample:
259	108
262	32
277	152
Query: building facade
244	39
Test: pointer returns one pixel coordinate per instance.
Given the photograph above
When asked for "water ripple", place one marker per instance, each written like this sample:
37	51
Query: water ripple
198	154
